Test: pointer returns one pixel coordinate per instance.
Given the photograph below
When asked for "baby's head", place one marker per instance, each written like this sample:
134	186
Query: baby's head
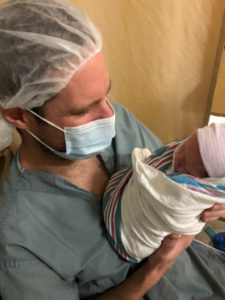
203	154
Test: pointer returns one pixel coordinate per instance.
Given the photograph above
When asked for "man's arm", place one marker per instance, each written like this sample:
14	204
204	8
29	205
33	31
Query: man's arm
141	281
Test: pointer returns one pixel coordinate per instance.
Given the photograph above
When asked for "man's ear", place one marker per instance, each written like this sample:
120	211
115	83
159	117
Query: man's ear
16	116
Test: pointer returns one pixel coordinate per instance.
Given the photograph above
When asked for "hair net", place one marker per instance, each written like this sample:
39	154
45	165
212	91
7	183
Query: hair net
42	44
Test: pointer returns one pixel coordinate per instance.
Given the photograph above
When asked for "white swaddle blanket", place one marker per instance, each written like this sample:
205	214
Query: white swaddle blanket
154	206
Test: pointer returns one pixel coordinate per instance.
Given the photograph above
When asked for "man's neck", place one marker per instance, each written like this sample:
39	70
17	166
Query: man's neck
89	174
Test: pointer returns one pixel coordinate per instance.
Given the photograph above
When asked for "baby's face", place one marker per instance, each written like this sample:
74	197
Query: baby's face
188	159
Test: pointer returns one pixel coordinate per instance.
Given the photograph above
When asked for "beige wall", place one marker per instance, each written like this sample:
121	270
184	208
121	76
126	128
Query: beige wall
161	56
218	105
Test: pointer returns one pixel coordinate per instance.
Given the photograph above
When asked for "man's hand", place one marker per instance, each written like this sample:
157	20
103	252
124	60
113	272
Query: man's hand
213	213
172	246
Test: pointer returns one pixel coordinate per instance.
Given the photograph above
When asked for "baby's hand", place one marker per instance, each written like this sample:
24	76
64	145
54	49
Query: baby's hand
213	213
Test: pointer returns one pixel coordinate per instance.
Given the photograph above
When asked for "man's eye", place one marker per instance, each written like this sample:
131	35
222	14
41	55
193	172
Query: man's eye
80	113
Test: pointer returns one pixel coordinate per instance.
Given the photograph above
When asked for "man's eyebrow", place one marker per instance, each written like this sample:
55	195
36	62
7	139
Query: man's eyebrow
84	109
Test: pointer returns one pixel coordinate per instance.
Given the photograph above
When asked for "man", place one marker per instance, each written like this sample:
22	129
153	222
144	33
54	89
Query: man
53	244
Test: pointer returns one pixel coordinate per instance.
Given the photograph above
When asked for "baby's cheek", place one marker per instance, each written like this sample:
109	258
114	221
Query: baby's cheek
177	163
179	158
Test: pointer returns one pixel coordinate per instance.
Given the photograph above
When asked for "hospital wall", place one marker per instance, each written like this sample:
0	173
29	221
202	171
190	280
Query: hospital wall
161	57
218	104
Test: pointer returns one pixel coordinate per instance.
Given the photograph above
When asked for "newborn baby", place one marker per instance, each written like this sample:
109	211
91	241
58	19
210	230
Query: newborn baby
165	192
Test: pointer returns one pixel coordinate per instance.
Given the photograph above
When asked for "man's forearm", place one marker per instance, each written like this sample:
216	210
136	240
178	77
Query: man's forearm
138	284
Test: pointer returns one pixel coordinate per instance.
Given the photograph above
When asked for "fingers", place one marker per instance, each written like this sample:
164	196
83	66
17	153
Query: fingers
171	240
213	213
172	246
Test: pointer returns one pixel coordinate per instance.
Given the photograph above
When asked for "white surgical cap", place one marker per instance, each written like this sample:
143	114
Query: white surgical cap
42	44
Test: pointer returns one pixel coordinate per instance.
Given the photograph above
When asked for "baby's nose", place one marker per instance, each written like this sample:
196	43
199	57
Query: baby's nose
179	165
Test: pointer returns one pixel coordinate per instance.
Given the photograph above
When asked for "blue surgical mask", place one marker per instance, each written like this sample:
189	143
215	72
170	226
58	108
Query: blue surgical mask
85	140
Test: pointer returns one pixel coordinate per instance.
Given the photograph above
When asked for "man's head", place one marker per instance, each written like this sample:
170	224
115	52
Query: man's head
79	122
203	154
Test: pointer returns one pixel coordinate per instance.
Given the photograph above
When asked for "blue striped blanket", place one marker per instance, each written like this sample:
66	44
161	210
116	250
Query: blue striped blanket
162	160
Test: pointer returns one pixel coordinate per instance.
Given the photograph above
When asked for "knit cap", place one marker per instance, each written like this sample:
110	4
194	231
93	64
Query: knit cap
211	141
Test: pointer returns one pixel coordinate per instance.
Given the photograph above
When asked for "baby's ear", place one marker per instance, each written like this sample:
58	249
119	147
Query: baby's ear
17	117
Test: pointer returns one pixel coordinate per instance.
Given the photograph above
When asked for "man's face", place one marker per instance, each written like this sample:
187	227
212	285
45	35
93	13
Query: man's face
188	159
83	100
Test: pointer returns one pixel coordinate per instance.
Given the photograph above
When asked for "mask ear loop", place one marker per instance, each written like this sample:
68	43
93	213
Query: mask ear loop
46	121
43	119
39	140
